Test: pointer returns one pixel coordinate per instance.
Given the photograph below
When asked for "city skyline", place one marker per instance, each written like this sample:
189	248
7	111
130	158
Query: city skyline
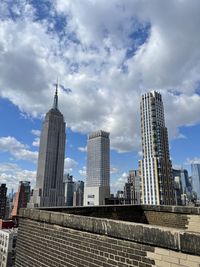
104	65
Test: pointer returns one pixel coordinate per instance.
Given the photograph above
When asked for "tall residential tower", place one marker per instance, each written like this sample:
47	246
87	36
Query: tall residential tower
98	169
49	189
155	167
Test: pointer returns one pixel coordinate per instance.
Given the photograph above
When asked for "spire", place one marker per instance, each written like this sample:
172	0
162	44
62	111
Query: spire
55	102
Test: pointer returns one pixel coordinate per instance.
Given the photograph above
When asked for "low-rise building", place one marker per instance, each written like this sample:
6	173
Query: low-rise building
8	239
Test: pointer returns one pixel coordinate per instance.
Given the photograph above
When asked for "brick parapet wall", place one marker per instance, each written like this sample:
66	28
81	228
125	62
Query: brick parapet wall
109	236
41	244
164	237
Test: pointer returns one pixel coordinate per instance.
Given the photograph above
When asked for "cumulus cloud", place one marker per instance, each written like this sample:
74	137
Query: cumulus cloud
113	170
70	164
106	61
36	132
118	184
36	141
17	149
82	149
11	174
83	172
195	160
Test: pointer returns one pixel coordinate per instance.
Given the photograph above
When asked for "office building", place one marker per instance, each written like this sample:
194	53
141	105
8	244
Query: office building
8	239
132	188
195	168
182	186
3	198
49	190
78	193
22	197
98	169
69	190
155	166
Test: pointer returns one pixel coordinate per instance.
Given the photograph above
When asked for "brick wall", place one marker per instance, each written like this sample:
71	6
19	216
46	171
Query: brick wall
41	244
49	238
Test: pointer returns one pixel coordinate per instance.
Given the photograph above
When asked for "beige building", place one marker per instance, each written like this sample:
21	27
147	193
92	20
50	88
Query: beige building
155	166
98	169
8	239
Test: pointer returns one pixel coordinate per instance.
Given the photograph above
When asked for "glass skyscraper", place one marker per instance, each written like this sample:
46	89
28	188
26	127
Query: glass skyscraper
195	168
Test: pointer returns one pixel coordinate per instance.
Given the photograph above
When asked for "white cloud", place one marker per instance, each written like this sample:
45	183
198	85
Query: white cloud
82	149
70	164
83	172
36	142
18	150
11	174
113	170
195	160
118	184
90	57
36	132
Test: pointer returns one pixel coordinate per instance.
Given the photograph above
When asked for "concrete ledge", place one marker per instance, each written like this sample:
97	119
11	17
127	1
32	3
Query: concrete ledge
120	208
170	238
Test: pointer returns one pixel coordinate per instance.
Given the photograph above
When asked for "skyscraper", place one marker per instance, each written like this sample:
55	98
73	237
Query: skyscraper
195	167
98	169
22	197
155	167
78	193
132	188
3	191
69	190
49	190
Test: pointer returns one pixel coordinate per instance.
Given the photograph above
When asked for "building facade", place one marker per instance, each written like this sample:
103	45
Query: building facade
132	188
155	166
69	190
195	168
98	169
8	238
3	198
49	190
78	193
22	197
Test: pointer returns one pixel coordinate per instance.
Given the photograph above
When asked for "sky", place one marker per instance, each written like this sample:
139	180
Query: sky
105	54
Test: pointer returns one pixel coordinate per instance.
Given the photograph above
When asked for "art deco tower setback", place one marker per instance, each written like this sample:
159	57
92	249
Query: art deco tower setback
98	169
155	167
49	189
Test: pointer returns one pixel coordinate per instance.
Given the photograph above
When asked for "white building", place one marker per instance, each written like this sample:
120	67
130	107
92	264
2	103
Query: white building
8	239
98	169
155	167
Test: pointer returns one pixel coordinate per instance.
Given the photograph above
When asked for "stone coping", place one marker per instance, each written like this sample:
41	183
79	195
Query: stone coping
165	237
159	208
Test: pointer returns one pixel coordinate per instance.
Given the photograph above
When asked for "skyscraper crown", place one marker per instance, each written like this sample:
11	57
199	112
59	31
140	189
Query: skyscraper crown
55	102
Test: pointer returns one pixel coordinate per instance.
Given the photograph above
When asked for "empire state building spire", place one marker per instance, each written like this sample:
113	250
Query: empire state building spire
55	102
49	190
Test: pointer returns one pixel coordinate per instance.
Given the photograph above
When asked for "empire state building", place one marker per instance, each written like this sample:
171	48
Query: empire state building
49	190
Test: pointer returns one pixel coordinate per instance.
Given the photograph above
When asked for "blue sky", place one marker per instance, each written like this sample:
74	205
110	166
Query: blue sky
104	63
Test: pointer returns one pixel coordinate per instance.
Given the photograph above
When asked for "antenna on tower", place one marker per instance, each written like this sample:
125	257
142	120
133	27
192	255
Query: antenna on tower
55	103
